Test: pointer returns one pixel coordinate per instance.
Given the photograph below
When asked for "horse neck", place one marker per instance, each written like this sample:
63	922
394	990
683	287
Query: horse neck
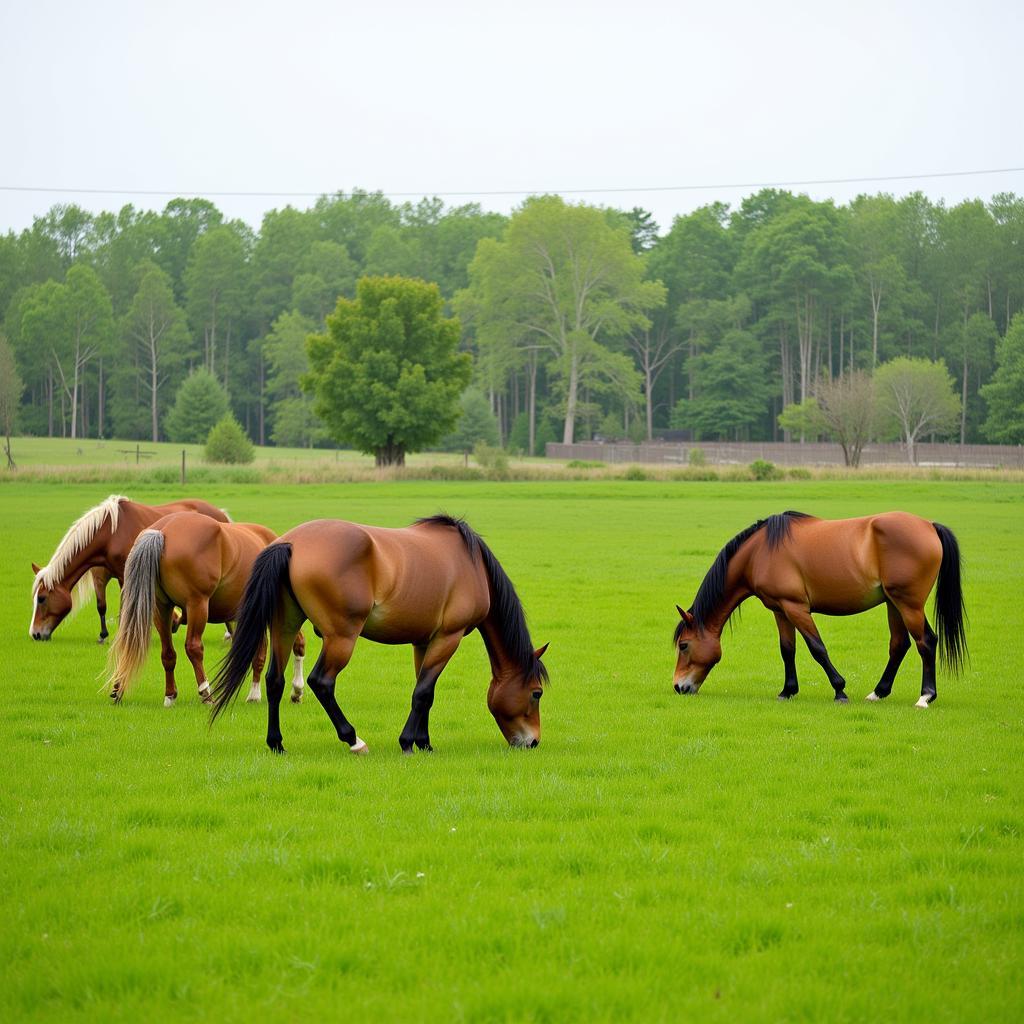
501	663
737	589
89	557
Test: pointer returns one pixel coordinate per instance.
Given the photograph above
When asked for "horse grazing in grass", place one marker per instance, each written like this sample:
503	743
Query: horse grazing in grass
196	563
427	585
91	553
797	564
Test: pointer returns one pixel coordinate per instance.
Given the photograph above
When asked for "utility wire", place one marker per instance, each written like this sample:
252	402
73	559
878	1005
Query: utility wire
517	192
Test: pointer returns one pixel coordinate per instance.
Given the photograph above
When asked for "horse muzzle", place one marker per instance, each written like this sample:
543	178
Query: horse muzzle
524	741
41	634
687	685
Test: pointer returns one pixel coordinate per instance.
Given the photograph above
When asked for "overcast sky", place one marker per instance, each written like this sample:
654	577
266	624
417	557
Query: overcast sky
471	97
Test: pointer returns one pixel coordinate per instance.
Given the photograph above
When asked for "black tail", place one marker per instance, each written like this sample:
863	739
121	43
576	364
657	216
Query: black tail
950	617
259	602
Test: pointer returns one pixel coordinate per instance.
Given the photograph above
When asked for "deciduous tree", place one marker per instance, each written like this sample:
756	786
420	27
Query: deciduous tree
915	397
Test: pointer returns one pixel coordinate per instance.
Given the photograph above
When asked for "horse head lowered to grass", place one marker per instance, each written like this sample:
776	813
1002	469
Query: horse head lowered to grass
91	553
427	585
797	564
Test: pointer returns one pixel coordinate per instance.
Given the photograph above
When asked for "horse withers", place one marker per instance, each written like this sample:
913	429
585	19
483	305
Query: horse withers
91	553
427	585
189	561
797	564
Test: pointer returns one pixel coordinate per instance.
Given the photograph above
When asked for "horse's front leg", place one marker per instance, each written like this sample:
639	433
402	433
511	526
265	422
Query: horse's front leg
800	616
197	611
298	653
430	662
100	579
787	648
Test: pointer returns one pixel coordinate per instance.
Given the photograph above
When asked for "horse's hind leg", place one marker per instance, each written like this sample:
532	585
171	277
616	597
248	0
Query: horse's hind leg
333	658
100	579
430	663
197	612
800	616
162	615
787	648
899	644
926	640
298	682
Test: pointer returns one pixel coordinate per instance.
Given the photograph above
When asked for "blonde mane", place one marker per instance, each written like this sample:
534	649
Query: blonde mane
79	534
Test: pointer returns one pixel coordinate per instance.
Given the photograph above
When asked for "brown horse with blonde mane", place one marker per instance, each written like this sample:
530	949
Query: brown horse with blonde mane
190	561
427	585
91	553
797	564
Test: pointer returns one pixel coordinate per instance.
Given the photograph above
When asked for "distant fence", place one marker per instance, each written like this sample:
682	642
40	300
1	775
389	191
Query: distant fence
816	453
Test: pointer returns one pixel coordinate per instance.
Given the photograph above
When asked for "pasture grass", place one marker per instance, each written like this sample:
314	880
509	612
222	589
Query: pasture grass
725	857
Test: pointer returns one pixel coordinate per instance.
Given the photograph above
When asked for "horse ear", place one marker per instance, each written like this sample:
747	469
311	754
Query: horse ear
36	570
539	653
685	616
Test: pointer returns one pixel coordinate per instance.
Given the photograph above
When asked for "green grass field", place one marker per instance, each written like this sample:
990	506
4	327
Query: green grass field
726	857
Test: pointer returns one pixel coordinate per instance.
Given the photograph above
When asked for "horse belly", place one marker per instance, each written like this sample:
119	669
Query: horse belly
387	625
845	596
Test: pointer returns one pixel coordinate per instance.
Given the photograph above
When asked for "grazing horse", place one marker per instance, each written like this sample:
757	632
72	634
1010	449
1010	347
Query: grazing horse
93	551
427	585
193	562
797	564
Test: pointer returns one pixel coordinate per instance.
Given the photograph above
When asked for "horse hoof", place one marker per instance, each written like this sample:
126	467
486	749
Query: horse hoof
841	698
253	698
359	747
169	702
297	698
872	696
785	696
922	703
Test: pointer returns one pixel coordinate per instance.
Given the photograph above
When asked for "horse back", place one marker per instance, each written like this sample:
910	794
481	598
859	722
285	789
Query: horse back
404	585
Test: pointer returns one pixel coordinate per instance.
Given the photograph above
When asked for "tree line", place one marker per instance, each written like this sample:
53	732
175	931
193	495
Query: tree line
579	320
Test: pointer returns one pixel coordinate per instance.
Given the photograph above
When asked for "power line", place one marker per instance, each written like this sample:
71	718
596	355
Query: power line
513	192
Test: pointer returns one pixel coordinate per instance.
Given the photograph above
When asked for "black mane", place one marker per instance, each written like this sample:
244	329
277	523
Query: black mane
712	589
506	607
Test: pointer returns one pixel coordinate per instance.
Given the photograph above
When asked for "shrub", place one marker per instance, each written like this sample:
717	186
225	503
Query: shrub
634	473
799	473
227	443
494	461
584	464
761	469
697	457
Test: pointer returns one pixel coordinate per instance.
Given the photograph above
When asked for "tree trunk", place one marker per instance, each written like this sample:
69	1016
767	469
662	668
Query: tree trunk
569	432
532	398
101	403
389	454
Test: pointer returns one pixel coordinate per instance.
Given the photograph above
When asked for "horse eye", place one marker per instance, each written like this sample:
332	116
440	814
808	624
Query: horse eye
683	645
41	599
537	694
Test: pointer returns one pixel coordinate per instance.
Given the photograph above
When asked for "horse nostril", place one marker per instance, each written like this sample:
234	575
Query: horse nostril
679	687
534	743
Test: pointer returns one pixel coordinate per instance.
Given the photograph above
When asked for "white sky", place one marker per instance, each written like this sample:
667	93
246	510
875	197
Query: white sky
452	96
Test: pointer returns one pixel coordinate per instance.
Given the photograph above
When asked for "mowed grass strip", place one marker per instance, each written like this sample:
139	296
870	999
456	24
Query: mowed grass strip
724	857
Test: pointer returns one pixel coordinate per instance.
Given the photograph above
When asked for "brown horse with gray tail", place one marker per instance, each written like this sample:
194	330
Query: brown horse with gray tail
192	562
427	585
797	564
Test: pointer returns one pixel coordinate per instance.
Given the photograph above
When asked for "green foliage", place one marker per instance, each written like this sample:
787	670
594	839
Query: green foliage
761	469
915	397
494	461
799	473
635	473
386	373
803	419
228	443
200	403
11	388
477	424
519	435
697	457
1004	394
584	464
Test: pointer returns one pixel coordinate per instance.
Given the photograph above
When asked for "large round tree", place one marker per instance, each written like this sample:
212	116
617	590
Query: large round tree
386	373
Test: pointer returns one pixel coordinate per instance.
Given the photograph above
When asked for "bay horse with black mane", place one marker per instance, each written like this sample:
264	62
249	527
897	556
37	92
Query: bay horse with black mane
91	553
190	561
428	585
797	564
